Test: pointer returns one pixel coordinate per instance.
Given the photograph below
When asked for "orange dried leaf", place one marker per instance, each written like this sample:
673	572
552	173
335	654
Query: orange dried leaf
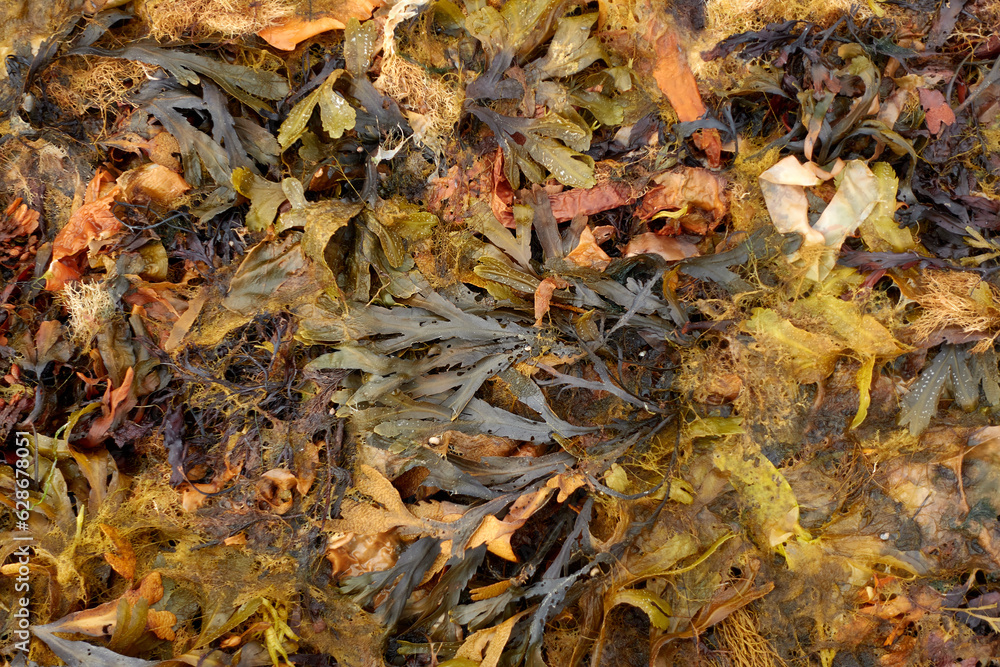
151	588
474	447
672	73
667	247
162	148
60	272
161	624
195	495
19	220
937	113
152	183
351	554
366	518
93	221
567	483
290	33
669	67
47	344
709	141
185	322
237	540
543	296
602	197
117	402
491	591
502	195
275	488
696	188
122	562
588	254
496	534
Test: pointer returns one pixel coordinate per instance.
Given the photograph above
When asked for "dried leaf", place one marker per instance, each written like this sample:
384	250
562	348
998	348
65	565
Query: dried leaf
674	78
185	321
567	483
543	296
116	404
937	113
697	188
290	33
352	555
368	519
93	221
485	647
152	183
275	488
496	533
48	344
160	623
296	29
18	220
783	187
672	73
122	562
195	495
669	248
588	253
602	197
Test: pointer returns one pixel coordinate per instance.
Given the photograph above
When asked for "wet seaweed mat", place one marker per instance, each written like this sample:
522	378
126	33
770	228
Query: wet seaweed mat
342	332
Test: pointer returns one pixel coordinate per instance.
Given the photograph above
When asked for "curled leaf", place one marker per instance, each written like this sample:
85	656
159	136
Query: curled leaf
783	187
275	488
152	183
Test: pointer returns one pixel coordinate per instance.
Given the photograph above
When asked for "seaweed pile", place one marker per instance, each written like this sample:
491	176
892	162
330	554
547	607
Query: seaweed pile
337	332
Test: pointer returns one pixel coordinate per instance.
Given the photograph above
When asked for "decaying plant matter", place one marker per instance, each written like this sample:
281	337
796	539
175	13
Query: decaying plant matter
500	333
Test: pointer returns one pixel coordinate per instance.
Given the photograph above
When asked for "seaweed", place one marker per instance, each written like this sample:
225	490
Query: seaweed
467	334
948	370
